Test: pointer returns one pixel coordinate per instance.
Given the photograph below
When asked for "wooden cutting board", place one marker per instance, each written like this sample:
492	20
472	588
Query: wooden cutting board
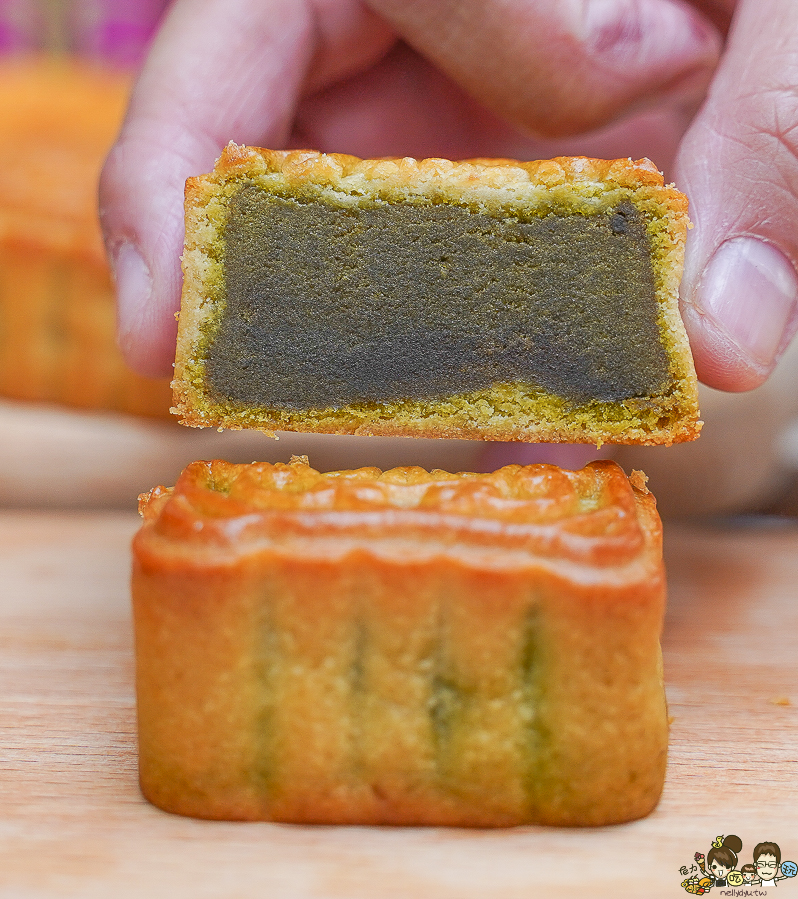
72	821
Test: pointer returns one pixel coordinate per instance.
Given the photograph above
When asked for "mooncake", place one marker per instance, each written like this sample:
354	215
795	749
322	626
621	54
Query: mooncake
400	647
487	299
58	118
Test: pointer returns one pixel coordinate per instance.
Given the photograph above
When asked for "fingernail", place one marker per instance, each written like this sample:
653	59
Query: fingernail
750	290
133	290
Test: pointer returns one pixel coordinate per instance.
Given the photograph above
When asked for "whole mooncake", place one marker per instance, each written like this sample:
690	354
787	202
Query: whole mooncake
401	647
487	299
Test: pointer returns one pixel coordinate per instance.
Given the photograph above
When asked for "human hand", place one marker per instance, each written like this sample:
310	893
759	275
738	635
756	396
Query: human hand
467	78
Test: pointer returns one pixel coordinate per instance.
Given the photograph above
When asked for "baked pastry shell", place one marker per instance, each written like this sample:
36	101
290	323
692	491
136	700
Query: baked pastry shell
380	664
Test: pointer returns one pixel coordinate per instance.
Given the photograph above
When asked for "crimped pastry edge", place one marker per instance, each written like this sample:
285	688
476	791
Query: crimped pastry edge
595	522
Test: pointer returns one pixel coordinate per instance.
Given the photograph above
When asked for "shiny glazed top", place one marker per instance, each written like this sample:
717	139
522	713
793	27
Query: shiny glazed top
516	516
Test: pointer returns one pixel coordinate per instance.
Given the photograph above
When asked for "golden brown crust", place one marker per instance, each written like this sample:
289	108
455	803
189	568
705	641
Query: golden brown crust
285	503
487	185
401	647
341	172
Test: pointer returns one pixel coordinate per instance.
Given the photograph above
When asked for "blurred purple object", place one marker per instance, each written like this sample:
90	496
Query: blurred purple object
22	26
114	31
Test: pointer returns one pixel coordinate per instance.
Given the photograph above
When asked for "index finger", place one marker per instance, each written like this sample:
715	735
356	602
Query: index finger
218	70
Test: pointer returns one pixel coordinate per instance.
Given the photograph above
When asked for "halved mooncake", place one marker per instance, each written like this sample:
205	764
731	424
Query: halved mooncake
487	299
401	647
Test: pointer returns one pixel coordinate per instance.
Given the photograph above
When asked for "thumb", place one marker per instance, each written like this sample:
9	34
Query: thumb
739	166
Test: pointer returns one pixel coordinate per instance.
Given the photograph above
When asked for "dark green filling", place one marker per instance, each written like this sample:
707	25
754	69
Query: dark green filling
328	306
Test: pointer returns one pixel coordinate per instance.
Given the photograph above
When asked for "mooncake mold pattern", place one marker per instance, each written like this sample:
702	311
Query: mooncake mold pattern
401	647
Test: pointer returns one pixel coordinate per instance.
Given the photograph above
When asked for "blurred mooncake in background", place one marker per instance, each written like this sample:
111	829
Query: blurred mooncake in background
57	318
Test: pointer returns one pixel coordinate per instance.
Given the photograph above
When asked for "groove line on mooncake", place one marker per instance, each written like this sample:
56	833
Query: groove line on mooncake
358	687
531	710
265	661
445	696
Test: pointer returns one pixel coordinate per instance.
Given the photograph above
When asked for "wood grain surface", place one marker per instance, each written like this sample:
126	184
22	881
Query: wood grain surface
73	823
